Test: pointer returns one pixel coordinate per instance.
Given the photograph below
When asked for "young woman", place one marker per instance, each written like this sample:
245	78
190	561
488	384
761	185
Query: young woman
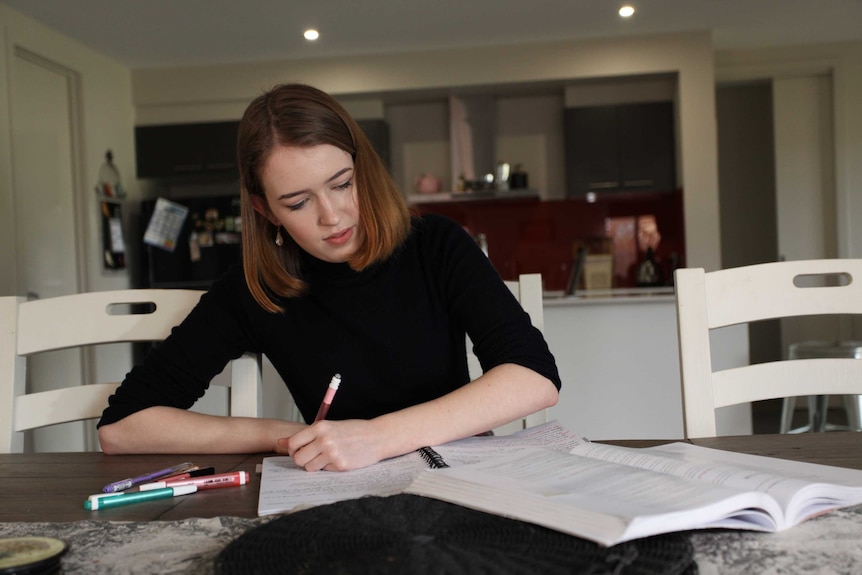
337	277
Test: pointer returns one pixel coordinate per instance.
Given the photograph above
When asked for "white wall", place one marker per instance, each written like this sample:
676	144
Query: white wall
804	166
818	143
843	62
219	92
107	122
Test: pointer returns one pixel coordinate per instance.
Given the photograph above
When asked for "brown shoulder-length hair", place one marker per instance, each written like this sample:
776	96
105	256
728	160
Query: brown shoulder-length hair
302	116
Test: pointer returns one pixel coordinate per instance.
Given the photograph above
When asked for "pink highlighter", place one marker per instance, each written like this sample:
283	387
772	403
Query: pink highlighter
205	482
327	399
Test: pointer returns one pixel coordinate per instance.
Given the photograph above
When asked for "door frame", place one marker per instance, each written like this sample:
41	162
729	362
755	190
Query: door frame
76	145
79	198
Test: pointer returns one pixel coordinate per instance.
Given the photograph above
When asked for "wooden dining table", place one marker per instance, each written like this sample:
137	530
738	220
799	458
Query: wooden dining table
44	494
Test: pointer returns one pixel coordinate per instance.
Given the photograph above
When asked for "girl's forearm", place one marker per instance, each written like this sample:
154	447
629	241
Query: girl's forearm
171	430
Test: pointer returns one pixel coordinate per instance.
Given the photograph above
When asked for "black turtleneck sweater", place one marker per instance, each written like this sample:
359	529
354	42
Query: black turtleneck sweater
395	332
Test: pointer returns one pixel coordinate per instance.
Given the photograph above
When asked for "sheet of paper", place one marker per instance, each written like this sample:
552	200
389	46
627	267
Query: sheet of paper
284	486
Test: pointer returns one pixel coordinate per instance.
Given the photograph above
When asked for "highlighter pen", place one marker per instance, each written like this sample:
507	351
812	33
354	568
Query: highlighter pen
208	482
327	399
105	502
132	481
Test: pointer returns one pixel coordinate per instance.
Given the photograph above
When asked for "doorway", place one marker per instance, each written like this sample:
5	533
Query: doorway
47	215
777	193
747	193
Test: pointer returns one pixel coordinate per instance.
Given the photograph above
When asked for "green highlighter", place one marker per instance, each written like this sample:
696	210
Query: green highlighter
108	500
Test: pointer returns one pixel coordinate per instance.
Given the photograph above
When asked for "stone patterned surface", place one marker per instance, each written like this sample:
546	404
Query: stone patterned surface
131	548
827	545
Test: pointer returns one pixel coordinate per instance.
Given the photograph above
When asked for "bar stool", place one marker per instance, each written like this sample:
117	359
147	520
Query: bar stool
818	404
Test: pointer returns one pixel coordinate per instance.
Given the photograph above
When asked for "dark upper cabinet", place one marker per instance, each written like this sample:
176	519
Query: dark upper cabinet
377	132
178	150
627	147
209	149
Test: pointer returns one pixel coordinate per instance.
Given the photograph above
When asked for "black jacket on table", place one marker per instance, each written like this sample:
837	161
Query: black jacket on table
395	332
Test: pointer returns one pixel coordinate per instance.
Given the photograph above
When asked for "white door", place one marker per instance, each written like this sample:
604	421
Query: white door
43	108
805	185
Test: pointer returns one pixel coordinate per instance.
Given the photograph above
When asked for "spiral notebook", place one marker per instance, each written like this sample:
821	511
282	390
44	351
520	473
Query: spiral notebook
432	458
285	487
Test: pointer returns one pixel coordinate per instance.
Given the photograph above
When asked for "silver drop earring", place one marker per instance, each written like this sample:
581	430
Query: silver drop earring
279	241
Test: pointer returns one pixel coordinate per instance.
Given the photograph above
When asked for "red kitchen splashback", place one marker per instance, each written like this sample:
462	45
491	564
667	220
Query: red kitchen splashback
541	236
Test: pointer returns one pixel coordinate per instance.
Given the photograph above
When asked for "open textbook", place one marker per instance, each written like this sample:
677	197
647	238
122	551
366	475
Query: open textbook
613	494
285	487
548	476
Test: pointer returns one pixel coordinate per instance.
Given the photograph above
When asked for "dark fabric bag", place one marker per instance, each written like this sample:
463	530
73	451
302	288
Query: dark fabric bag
417	535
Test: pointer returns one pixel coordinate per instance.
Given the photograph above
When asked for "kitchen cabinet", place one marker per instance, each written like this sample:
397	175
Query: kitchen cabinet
618	359
377	132
209	149
628	147
177	150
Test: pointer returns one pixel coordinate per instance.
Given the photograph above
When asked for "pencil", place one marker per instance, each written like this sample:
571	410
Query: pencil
327	399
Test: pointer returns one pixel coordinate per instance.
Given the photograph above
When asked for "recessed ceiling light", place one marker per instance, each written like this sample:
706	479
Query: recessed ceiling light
311	34
627	11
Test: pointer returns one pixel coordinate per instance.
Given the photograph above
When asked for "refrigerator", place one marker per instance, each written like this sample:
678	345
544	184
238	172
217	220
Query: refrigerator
206	244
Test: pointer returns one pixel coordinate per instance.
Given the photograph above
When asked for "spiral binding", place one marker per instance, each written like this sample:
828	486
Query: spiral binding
432	458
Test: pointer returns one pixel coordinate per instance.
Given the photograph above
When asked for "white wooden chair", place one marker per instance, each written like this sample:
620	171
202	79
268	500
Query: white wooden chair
33	327
706	301
528	291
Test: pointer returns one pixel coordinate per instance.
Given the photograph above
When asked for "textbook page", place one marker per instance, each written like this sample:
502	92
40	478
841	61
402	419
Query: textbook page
594	499
284	486
801	489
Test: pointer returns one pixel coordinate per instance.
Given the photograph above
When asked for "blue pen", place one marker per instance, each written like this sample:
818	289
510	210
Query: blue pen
104	501
132	481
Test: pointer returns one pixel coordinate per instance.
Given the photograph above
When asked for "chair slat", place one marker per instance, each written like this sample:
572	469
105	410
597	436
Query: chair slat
45	408
86	318
722	298
528	291
31	327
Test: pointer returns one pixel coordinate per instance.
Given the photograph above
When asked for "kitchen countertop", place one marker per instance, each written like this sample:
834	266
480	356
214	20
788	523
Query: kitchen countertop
612	296
472	195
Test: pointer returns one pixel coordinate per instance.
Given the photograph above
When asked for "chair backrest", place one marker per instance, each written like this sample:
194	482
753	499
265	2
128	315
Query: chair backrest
706	301
528	291
33	327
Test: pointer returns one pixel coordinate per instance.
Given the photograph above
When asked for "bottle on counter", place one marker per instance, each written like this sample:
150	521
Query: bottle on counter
649	272
109	185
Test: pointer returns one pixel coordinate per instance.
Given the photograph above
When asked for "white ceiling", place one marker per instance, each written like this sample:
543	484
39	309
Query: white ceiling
155	33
